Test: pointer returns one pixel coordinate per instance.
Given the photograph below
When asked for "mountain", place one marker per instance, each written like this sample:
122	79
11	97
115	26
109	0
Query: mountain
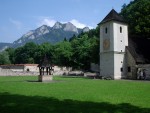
4	46
53	34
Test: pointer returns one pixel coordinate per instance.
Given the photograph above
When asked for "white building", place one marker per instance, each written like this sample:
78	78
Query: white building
113	42
21	67
120	56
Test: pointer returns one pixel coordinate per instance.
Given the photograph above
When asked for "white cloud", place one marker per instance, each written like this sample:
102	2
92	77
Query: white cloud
17	23
46	21
50	22
78	24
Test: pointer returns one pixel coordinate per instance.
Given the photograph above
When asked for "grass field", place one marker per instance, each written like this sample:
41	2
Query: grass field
23	94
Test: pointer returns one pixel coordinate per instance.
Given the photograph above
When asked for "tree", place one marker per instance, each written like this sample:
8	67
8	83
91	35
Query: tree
11	52
42	50
63	53
72	38
25	54
82	51
138	17
94	50
4	58
19	57
65	39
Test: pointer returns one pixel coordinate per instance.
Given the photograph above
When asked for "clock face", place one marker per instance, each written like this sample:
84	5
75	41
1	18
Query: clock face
106	44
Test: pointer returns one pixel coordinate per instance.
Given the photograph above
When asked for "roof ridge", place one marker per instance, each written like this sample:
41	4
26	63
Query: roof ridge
112	15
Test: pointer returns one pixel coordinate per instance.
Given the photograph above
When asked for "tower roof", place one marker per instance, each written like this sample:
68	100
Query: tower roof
112	15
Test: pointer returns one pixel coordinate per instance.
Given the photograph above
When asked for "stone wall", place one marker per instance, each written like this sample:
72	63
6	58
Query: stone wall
33	70
9	72
6	72
21	67
61	70
132	64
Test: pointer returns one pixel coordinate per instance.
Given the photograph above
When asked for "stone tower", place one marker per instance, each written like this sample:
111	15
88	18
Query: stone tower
113	42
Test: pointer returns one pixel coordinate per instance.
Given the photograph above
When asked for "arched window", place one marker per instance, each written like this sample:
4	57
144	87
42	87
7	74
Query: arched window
120	29
106	30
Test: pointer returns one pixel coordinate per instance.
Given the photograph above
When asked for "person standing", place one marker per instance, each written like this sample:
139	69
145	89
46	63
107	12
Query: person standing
144	75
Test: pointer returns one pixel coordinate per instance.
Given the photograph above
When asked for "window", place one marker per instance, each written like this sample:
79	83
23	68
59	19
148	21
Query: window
28	69
121	69
129	69
106	30
120	29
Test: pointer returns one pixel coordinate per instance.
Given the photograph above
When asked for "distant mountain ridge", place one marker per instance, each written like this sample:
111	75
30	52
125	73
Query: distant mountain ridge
46	33
4	46
50	34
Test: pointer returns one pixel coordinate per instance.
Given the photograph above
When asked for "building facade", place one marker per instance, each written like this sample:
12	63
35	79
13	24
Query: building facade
113	42
120	56
21	67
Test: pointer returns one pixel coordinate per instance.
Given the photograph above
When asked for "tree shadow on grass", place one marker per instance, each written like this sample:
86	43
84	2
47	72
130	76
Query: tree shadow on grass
11	103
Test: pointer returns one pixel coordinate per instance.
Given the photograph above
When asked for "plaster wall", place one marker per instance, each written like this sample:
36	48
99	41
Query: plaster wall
118	65
120	38
107	64
132	64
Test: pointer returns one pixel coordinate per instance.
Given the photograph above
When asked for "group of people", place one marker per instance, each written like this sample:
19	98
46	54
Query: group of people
141	75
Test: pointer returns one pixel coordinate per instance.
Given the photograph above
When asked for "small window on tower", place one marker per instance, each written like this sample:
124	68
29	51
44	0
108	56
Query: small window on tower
106	30
121	69
129	69
120	29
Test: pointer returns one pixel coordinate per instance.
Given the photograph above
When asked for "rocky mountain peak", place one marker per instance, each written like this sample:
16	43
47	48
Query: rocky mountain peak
43	29
57	25
49	34
70	27
31	32
86	29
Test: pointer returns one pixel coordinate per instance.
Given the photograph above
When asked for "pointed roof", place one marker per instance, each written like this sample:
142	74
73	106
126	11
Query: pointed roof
112	15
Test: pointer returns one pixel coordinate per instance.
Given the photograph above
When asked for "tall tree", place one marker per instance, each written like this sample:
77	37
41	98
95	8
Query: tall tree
63	53
4	58
42	50
82	51
11	52
25	54
137	14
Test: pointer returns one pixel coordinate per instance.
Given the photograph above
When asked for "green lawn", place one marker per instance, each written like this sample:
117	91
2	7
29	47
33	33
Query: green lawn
23	94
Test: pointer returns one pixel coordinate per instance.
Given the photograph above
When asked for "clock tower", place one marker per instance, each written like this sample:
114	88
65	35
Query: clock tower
113	42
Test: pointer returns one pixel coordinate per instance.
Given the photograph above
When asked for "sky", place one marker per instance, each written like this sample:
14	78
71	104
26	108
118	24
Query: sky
17	17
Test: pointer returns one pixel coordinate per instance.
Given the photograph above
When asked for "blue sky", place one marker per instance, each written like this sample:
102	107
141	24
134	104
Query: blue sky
20	16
